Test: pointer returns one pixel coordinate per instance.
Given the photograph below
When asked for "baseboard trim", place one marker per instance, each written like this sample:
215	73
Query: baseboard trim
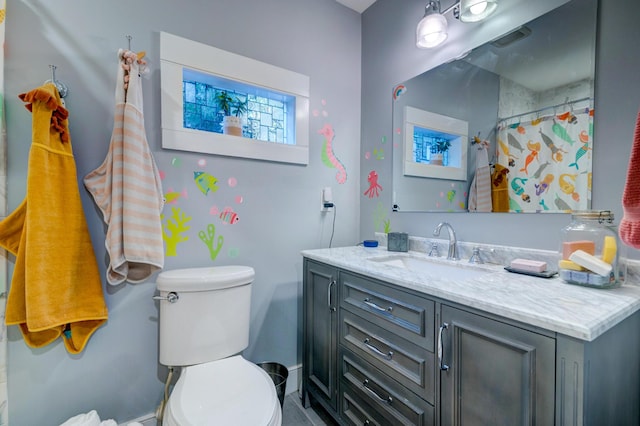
293	381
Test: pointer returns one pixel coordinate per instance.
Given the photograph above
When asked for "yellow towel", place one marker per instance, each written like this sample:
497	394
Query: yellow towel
500	189
56	288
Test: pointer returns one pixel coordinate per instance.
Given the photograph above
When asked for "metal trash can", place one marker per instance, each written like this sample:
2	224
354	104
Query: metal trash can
278	374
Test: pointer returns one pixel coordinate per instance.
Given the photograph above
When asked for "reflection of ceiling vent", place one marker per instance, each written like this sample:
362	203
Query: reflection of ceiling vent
512	37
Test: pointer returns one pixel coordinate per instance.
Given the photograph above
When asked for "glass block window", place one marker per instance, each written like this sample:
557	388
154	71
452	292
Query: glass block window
270	115
425	143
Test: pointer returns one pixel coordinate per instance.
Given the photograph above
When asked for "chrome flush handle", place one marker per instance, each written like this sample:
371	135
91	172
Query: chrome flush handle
171	297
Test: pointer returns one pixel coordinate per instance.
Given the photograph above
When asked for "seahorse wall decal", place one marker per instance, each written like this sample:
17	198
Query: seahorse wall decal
328	157
177	225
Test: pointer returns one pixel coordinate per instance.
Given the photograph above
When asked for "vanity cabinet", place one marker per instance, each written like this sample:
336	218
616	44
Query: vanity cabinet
376	353
493	373
320	335
368	349
387	367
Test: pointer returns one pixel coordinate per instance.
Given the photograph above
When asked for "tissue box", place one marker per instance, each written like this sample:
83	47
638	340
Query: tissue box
397	241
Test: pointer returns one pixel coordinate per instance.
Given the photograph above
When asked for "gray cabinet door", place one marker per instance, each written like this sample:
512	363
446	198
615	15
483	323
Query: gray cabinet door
493	373
320	334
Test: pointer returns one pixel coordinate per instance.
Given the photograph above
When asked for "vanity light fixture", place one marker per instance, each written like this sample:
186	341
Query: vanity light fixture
476	10
432	28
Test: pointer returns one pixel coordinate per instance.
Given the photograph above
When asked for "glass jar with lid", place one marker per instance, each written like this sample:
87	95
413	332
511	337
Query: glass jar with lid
590	251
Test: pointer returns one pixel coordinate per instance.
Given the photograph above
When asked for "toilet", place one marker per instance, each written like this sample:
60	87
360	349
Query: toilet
204	325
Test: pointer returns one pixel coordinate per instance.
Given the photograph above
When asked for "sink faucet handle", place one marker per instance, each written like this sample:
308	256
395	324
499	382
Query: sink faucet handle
475	256
434	251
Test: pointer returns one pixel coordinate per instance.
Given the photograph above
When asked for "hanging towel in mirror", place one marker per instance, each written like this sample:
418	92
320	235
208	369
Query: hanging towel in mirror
500	189
480	190
56	290
127	188
629	228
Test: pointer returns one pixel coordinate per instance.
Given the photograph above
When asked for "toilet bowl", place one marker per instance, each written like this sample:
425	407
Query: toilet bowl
232	391
204	326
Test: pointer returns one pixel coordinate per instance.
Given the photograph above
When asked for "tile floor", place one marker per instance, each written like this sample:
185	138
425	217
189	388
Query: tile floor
293	414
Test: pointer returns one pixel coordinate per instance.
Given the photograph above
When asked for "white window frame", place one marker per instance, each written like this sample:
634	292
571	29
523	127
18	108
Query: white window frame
177	53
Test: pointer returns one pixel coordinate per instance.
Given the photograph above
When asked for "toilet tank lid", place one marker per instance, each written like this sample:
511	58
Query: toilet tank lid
201	279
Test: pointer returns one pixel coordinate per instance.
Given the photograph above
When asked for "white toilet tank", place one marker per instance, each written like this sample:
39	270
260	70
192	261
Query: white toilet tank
209	319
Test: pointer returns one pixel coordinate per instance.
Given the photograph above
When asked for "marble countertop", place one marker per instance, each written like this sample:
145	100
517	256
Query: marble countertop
579	312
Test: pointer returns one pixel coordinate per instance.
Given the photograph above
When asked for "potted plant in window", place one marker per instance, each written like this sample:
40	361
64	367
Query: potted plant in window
441	146
232	108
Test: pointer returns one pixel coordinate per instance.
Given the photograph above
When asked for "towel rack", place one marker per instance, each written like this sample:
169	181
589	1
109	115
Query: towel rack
63	90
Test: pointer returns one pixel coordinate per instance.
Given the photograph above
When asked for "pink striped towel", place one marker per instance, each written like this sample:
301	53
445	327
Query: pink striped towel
127	188
480	190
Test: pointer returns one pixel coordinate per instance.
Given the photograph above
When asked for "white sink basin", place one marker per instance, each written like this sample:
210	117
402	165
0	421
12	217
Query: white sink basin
423	265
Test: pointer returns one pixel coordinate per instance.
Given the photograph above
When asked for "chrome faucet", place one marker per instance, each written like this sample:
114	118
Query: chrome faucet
453	242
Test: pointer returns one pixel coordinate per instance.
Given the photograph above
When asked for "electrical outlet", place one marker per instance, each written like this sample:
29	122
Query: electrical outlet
326	198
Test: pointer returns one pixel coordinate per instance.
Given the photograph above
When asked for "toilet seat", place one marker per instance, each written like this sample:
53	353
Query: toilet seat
230	391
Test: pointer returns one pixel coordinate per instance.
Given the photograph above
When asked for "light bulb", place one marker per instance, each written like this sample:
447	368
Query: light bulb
478	8
431	31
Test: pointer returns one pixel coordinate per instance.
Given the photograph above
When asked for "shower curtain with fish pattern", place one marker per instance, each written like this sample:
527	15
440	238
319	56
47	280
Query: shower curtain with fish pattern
3	212
549	161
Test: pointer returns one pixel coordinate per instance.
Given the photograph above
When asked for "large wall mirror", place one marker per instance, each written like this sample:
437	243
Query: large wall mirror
527	96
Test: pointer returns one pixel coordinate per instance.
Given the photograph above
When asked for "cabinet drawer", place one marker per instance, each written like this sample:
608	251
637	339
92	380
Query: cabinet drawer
354	411
368	396
409	364
402	313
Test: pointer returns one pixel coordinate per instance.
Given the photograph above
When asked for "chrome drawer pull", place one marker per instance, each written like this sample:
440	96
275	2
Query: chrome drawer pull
387	400
331	308
372	305
443	366
377	351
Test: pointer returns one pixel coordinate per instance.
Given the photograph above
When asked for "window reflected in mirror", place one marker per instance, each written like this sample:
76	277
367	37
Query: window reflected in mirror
435	145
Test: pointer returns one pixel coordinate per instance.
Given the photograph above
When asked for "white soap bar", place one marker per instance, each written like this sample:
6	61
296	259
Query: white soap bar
529	265
590	262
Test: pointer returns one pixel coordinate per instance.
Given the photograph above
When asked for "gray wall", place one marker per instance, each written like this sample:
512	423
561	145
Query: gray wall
118	373
389	56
